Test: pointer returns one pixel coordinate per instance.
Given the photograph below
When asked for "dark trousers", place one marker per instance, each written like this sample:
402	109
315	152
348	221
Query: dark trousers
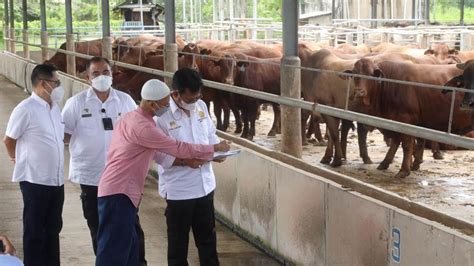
91	213
198	214
117	237
42	223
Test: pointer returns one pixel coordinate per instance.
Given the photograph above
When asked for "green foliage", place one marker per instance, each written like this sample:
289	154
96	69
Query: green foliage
269	9
452	15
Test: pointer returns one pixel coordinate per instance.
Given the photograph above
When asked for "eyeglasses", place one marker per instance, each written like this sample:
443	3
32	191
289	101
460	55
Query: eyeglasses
56	82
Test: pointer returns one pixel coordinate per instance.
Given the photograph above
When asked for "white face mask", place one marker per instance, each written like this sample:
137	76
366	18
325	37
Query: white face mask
187	106
57	94
102	83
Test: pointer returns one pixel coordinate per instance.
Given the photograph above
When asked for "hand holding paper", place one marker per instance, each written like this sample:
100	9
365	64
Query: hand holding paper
222	155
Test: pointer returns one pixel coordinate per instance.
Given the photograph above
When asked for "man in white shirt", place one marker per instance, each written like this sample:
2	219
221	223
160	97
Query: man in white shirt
89	118
34	141
188	185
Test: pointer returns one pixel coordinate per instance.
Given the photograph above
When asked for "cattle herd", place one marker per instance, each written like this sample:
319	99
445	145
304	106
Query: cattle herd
256	66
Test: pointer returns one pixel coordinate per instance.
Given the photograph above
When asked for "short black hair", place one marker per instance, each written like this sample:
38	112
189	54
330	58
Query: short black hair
97	59
42	71
187	79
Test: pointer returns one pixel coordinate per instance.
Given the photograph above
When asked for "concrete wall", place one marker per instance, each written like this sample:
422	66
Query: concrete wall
19	71
309	220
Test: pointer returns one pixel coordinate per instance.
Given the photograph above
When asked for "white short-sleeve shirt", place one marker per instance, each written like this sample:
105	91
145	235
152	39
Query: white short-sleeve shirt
39	133
82	115
178	182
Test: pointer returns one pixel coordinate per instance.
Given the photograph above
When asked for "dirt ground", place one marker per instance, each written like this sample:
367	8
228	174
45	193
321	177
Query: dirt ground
445	185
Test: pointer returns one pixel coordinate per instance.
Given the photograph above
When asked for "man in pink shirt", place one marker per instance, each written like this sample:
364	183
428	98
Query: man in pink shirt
135	142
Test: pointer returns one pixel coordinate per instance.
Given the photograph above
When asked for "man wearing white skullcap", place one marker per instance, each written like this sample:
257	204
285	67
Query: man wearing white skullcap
135	142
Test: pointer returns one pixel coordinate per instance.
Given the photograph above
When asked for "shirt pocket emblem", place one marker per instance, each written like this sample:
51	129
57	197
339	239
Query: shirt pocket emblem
174	125
202	115
86	113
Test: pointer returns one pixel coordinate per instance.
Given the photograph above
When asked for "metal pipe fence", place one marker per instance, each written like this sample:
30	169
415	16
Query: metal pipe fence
377	122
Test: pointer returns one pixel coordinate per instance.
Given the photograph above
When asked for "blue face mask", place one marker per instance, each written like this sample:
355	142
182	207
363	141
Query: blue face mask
161	111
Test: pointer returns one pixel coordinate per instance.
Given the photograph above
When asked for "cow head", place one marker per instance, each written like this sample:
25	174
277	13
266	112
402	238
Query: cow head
188	54
227	68
364	88
468	82
441	51
221	61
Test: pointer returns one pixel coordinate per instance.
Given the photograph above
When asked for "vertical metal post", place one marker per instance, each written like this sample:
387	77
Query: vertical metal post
374	13
191	10
221	18
413	9
141	13
333	9
427	12
255	16
290	80
44	32
461	21
171	48
6	27
106	39
214	11
71	60
184	11
26	47
12	28
231	19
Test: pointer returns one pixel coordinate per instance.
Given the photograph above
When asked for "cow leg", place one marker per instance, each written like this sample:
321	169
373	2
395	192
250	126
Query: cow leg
407	145
418	154
304	118
394	143
345	126
245	119
317	130
238	119
362	132
226	122
218	114
252	116
276	127
333	125
435	149
328	153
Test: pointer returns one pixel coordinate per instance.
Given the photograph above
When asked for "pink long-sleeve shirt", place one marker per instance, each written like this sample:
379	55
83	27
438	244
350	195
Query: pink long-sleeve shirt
135	141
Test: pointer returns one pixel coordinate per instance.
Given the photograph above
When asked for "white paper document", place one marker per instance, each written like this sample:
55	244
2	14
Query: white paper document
221	155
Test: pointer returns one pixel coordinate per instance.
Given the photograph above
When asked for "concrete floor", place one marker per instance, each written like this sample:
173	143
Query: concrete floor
76	248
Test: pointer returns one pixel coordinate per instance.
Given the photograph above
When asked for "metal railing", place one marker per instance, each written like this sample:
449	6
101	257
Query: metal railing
377	122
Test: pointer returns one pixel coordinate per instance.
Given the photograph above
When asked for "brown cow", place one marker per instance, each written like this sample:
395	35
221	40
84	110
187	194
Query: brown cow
257	75
186	58
408	104
328	89
93	48
226	74
346	48
461	57
219	66
315	88
466	80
